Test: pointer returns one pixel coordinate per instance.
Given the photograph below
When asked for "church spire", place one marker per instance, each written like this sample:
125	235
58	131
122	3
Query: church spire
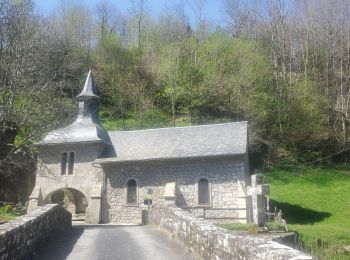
89	101
87	127
90	90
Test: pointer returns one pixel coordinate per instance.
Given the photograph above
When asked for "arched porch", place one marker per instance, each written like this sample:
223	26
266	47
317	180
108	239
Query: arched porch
71	199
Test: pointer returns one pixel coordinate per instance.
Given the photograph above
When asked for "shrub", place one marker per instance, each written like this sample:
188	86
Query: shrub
275	226
8	208
253	229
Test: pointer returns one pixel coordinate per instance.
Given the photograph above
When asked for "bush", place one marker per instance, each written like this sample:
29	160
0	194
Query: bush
253	229
275	226
8	208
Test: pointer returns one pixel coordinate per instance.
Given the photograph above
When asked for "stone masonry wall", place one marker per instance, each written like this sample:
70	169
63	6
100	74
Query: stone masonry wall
85	179
19	237
213	242
223	175
84	175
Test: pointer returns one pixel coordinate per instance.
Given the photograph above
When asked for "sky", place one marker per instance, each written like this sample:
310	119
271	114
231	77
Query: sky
213	8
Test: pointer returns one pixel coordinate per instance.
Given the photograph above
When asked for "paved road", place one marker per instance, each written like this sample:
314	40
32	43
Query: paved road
85	242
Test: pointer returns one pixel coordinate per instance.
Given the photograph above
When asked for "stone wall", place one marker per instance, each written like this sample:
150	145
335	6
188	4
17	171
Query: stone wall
85	178
84	175
213	242
19	237
226	177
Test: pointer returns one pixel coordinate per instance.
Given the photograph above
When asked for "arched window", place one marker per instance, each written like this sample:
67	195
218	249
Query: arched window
64	163
203	192
71	163
131	192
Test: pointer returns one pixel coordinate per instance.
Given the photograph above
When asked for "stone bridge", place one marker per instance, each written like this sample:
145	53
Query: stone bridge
113	242
47	233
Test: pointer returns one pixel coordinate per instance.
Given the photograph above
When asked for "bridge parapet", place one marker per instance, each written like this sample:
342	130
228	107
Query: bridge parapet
18	238
213	242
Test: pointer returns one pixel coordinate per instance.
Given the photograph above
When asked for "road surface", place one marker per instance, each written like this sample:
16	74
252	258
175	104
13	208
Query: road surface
85	242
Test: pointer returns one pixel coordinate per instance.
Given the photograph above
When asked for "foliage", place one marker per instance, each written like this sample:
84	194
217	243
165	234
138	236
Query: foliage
285	72
8	208
125	85
275	226
314	202
151	119
7	213
30	103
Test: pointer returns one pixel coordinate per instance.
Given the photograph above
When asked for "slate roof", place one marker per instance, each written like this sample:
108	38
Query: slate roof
179	142
152	144
86	127
90	90
82	130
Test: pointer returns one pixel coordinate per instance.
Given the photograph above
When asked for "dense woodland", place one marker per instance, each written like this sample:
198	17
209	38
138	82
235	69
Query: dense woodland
282	65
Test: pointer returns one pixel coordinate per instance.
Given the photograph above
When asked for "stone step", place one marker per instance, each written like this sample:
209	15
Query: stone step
78	217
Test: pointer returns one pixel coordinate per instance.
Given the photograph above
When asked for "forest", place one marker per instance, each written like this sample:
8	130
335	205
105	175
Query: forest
282	65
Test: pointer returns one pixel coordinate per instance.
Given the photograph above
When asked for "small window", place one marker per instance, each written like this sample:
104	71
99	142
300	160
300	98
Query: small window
64	164
203	192
131	192
71	163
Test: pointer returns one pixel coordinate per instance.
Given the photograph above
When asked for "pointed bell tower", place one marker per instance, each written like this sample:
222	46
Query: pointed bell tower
76	147
87	127
89	101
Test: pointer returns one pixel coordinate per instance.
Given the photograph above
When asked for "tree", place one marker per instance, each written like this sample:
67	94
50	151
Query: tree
70	36
110	20
29	104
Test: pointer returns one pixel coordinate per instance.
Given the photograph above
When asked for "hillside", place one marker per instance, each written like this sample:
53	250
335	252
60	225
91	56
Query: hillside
316	203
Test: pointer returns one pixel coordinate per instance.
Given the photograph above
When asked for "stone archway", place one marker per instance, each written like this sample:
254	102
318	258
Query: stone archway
71	199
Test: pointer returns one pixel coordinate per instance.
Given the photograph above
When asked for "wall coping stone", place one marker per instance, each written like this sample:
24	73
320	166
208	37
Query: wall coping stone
19	237
213	242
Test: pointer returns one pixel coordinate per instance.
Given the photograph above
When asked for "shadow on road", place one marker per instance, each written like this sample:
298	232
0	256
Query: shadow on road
112	242
103	226
64	240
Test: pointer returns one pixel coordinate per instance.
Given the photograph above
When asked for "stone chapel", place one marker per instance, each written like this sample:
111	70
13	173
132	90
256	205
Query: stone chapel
111	176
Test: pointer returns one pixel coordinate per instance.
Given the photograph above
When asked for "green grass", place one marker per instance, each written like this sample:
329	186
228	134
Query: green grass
250	228
134	121
315	201
153	118
7	215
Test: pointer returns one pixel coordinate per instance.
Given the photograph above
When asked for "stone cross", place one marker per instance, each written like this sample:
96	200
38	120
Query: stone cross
258	190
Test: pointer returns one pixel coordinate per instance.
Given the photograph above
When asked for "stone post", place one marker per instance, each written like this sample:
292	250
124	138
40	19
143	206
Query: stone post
242	203
35	199
258	190
169	193
93	212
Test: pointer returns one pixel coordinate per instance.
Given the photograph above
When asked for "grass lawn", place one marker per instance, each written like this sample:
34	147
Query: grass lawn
131	123
150	119
7	216
315	201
